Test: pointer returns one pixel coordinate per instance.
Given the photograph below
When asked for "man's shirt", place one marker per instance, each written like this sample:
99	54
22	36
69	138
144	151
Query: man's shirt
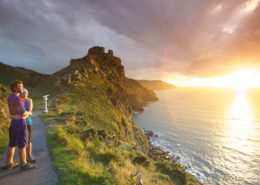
15	106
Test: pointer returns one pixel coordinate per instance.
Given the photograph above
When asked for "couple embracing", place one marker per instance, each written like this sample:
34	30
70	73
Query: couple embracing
20	130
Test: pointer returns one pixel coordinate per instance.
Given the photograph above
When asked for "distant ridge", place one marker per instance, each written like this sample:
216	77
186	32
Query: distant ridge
9	73
156	85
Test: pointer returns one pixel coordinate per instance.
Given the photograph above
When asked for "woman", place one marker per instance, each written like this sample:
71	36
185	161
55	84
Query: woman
28	105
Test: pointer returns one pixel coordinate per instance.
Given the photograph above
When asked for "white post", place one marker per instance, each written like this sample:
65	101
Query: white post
45	98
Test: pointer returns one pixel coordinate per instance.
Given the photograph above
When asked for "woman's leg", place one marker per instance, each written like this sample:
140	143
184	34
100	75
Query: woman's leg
29	147
30	157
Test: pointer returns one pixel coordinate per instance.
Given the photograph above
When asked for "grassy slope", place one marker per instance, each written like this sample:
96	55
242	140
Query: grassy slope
29	77
82	158
82	124
4	119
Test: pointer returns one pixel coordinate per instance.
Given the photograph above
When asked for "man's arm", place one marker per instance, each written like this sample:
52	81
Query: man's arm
16	116
25	115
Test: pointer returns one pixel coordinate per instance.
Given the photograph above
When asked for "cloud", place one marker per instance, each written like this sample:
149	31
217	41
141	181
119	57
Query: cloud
197	37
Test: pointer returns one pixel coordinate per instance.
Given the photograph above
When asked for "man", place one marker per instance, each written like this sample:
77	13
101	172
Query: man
18	133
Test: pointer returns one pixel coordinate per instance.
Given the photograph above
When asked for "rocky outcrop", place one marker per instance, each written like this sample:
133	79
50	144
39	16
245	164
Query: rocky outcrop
110	52
106	65
96	50
125	94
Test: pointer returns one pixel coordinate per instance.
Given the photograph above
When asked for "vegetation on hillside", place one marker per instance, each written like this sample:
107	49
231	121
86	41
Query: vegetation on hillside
4	118
91	132
29	77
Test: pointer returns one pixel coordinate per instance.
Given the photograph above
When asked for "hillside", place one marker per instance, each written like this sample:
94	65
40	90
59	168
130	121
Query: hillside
156	85
4	118
10	73
92	135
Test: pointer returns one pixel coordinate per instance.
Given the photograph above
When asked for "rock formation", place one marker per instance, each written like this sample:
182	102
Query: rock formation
96	61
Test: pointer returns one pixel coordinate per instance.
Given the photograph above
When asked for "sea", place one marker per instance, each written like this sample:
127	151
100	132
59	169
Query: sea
215	132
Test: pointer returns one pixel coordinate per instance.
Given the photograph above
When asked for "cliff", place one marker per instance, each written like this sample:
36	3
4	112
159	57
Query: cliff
92	135
107	68
156	85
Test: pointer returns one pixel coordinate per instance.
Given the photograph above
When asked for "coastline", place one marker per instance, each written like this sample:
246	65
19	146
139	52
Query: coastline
159	152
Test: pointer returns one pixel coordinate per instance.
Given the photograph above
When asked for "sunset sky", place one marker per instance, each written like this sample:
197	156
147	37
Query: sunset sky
183	42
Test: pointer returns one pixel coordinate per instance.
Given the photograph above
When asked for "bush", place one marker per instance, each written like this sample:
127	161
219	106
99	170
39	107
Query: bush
173	170
88	134
62	114
81	122
140	159
102	134
105	157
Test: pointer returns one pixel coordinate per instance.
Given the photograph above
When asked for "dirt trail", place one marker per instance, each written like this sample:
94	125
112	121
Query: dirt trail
43	174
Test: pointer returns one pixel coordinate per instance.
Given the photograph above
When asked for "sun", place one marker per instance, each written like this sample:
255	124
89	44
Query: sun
239	79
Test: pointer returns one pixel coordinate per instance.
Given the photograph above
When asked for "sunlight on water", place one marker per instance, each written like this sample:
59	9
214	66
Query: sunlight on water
240	123
216	132
239	133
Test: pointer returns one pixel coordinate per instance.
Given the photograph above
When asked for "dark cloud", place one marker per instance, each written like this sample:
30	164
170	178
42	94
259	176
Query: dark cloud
189	37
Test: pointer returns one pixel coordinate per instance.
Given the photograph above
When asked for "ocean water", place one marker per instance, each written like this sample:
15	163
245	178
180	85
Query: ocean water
216	132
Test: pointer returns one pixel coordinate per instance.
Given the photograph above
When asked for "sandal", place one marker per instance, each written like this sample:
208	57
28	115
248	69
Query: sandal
31	159
27	166
9	167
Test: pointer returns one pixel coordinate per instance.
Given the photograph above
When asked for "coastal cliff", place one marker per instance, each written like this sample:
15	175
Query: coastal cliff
92	135
156	85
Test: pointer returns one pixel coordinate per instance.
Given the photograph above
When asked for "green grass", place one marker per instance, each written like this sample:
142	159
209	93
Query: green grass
94	164
4	118
70	160
3	141
91	132
82	123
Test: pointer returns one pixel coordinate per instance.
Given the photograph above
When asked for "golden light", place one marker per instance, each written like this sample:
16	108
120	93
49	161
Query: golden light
240	79
250	5
238	16
241	109
240	128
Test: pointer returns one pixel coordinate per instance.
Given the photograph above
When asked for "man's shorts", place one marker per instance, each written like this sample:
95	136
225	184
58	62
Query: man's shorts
18	133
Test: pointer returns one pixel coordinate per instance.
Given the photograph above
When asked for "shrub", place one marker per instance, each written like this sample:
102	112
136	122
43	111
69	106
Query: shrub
81	122
102	134
88	134
173	170
105	157
140	159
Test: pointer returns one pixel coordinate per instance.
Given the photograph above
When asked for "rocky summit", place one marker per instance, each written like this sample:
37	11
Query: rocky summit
95	62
